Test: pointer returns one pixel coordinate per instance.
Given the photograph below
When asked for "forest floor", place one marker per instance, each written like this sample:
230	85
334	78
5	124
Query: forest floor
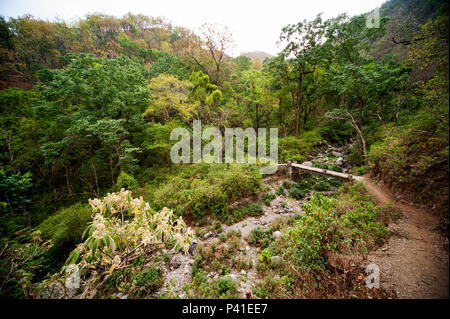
414	261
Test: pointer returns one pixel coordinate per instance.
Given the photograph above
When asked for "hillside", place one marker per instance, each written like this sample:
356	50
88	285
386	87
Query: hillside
119	177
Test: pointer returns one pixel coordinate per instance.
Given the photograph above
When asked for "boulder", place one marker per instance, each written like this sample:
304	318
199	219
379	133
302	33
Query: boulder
175	262
277	234
339	161
275	260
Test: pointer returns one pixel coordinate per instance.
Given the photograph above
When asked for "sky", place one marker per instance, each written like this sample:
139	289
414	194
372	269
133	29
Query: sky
255	24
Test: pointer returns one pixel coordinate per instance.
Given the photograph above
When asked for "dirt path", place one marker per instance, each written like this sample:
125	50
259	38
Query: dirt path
414	261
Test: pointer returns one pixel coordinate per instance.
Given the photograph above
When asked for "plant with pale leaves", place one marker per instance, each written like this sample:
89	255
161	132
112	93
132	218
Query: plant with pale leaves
124	231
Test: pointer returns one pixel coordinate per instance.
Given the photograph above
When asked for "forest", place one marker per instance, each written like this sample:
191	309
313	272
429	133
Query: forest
87	185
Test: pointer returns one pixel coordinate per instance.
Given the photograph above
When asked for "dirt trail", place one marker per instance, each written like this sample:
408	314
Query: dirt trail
414	261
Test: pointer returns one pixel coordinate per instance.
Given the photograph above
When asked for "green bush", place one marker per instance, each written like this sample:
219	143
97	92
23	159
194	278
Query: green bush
322	186
226	287
296	192
261	237
296	150
242	211
126	181
360	170
350	224
148	281
202	189
280	191
268	197
65	230
66	227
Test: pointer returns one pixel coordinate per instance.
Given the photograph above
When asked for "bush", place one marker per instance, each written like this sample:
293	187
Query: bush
322	186
65	229
260	237
226	287
148	281
126	181
360	170
347	225
202	189
242	211
296	192
296	150
280	191
268	197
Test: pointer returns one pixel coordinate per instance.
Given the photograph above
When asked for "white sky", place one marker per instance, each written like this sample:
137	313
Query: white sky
255	24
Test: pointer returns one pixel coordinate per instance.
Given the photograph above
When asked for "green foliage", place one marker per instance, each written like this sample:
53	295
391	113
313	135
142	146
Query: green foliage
296	192
207	189
242	211
261	237
360	170
148	281
20	259
322	186
350	224
126	181
296	150
65	229
280	191
268	197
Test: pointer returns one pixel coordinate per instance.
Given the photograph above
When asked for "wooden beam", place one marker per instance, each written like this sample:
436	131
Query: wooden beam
320	171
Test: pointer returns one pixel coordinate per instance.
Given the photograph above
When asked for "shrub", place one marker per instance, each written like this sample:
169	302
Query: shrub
121	225
322	186
296	192
296	150
360	170
268	197
126	181
280	191
65	230
148	281
261	237
242	211
226	287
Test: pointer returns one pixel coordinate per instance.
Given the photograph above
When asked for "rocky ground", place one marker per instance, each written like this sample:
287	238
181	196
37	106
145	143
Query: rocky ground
179	269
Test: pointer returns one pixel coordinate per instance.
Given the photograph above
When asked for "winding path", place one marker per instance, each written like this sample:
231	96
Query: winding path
414	261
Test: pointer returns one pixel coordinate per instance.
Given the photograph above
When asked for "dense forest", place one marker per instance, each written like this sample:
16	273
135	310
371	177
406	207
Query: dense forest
86	178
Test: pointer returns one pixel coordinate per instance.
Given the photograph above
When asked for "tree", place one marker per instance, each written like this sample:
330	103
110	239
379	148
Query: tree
302	54
170	99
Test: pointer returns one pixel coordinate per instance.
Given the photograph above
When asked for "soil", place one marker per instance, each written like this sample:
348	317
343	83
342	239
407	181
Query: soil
414	261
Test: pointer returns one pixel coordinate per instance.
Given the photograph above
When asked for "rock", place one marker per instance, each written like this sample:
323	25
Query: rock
263	222
243	272
307	163
233	277
337	154
124	297
277	234
192	248
209	235
175	262
339	161
119	295
275	260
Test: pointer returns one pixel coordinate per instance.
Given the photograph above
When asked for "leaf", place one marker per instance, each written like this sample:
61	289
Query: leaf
112	269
